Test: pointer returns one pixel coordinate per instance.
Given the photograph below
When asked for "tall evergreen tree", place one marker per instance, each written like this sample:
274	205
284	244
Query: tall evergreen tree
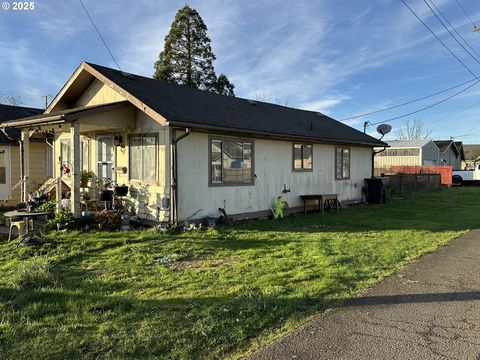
187	58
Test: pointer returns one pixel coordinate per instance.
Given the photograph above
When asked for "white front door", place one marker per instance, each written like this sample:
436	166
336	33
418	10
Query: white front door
5	164
105	157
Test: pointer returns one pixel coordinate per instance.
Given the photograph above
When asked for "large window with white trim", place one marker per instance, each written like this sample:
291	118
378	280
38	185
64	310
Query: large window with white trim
143	163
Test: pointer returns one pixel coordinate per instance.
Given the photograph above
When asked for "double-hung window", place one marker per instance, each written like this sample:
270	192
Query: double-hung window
231	161
143	155
342	163
65	157
302	157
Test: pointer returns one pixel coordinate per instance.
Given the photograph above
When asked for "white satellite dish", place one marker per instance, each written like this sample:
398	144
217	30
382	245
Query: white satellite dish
384	129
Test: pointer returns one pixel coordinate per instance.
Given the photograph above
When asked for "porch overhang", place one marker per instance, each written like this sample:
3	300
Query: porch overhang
67	116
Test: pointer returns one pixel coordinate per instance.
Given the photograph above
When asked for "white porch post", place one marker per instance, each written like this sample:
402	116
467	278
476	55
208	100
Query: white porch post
26	162
75	145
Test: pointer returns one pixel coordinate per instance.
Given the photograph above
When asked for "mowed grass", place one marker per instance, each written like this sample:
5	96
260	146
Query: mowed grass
209	294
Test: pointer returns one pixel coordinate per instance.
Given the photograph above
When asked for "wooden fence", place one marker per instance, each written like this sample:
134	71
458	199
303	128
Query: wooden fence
401	184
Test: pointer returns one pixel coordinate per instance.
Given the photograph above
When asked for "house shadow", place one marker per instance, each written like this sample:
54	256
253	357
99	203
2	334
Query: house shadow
413	298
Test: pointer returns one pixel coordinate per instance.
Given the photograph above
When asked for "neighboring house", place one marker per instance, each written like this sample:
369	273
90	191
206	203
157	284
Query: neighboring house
472	155
185	153
449	154
10	165
459	146
406	153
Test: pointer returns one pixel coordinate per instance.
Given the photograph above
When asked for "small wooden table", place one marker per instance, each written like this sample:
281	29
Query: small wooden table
321	198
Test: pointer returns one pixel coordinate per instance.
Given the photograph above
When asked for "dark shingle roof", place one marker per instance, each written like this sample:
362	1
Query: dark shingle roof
444	144
12	112
472	151
182	105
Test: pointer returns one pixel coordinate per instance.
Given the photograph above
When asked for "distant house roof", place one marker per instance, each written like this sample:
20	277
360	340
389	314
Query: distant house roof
408	143
13	112
189	107
472	151
443	145
459	146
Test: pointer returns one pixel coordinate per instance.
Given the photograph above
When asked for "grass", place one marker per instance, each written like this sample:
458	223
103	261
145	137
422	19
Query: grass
209	294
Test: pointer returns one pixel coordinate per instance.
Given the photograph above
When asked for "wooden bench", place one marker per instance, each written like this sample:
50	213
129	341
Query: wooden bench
322	200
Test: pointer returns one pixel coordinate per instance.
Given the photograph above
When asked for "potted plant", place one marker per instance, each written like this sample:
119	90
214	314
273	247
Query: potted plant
104	187
85	177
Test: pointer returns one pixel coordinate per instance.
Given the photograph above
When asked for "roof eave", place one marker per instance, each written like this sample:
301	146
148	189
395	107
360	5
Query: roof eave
278	136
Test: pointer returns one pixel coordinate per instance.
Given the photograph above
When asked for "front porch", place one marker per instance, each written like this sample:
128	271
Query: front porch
99	144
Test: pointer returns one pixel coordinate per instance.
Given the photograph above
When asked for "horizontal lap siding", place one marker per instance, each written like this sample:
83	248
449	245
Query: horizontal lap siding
273	166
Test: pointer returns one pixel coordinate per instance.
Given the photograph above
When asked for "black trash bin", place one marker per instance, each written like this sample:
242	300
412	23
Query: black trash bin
375	191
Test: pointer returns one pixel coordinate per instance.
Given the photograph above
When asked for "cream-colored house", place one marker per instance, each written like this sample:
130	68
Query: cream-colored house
185	153
11	172
407	153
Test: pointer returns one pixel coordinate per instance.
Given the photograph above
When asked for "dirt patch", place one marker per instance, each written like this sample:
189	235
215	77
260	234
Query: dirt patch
199	263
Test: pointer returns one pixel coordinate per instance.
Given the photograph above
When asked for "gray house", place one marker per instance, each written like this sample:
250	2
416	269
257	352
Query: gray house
449	154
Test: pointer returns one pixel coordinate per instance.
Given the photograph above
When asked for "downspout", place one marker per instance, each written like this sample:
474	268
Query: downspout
175	141
373	159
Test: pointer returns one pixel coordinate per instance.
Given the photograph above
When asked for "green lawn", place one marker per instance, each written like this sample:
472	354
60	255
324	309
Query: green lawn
209	294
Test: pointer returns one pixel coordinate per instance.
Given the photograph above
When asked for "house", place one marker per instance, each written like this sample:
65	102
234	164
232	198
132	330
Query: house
407	153
459	146
40	155
184	153
449	153
472	155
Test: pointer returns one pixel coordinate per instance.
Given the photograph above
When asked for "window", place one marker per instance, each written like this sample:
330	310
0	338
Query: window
65	156
342	163
143	164
302	157
84	155
3	169
231	162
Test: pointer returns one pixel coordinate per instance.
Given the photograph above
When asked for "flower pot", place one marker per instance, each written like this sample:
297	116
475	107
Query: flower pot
106	195
83	182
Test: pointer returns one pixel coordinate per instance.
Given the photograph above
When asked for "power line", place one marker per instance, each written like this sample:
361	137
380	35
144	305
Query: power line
451	26
429	106
441	42
408	102
448	30
100	35
466	14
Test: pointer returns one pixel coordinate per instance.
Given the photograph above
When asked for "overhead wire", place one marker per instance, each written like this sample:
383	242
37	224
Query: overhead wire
429	106
453	28
408	102
448	30
439	40
466	14
99	34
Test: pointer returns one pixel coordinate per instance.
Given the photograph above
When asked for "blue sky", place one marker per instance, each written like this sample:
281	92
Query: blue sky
338	57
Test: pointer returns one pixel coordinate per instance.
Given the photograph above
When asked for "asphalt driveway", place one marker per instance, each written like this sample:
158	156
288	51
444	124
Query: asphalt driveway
428	310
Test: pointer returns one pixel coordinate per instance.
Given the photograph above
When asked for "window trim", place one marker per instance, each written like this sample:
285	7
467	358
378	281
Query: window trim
293	157
225	138
151	182
349	162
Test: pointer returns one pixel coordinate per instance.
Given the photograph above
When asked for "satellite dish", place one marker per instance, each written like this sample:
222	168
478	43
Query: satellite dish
383	129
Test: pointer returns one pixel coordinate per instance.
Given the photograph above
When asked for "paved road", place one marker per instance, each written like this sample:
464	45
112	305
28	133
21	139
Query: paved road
428	310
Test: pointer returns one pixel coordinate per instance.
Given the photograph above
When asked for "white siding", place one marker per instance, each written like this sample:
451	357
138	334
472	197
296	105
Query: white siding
273	166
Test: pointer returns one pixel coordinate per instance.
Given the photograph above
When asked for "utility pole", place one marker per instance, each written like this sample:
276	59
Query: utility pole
46	100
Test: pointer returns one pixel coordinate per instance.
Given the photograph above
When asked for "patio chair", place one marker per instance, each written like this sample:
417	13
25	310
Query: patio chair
20	225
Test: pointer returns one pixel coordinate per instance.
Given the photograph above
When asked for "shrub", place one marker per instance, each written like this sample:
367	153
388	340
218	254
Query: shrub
64	219
48	206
